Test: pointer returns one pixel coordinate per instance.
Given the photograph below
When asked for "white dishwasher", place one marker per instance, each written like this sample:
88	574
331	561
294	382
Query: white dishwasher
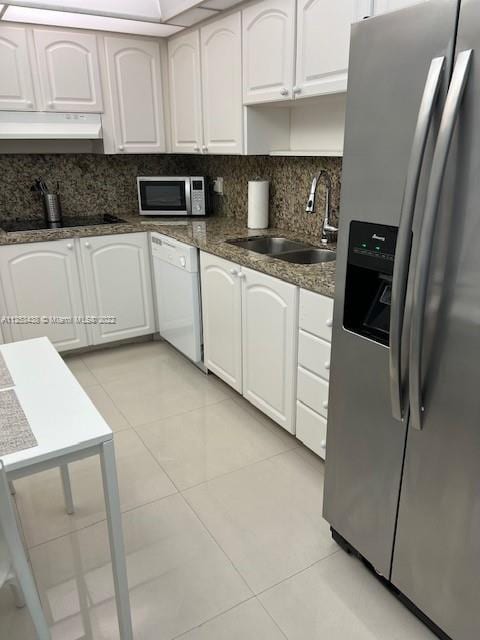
177	292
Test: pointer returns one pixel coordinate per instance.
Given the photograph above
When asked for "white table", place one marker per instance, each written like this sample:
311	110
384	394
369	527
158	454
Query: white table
67	427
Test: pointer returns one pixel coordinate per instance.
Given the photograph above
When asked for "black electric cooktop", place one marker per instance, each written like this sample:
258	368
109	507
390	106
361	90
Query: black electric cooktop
68	221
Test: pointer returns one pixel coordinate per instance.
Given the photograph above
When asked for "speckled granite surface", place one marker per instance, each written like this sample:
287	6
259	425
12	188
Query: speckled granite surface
99	184
290	180
208	235
96	184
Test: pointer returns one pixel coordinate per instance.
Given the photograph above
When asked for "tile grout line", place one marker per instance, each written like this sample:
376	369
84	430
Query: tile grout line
297	573
236	569
256	594
217	615
227	473
101	520
277	624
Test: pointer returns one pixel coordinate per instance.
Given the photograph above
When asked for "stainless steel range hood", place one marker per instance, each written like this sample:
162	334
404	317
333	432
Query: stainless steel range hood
24	125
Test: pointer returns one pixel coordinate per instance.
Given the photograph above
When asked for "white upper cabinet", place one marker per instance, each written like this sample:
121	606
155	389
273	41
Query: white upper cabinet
270	330
68	71
118	284
135	95
221	55
16	85
185	92
384	6
323	42
268	51
41	280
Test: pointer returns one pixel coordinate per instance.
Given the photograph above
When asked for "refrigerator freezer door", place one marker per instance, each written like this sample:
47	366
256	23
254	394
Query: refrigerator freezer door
436	561
390	58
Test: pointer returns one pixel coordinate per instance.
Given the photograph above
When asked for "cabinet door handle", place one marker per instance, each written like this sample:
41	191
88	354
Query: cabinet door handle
323	444
30	104
196	148
51	105
284	91
88	245
121	147
297	90
205	148
325	404
242	275
327	365
234	272
70	246
329	322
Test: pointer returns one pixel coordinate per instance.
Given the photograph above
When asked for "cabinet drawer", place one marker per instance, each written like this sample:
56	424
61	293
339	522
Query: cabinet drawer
311	429
316	314
314	354
313	391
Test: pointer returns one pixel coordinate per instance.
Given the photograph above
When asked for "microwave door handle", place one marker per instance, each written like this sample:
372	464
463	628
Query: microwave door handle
188	195
403	245
449	119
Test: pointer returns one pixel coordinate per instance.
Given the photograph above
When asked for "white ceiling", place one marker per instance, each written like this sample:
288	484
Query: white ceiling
144	17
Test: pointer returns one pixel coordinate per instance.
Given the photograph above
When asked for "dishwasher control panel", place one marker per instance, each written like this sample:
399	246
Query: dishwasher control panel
173	252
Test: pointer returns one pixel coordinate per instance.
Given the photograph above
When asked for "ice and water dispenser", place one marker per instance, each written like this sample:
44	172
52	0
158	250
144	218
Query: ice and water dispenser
368	292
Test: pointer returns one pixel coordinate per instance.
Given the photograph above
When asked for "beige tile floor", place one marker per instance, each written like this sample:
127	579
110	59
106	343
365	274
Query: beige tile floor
222	521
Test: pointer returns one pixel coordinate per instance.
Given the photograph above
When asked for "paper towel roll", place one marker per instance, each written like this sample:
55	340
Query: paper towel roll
258	204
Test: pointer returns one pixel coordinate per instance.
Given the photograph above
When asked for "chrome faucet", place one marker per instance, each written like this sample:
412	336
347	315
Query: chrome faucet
329	232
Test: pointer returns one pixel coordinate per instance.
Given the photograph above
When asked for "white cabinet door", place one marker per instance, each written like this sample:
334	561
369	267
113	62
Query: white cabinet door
222	318
323	42
384	6
221	53
118	283
41	280
16	84
69	71
185	92
270	331
135	88
268	51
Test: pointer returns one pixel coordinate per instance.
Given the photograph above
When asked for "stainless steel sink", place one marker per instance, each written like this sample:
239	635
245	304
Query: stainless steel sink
283	249
269	245
309	256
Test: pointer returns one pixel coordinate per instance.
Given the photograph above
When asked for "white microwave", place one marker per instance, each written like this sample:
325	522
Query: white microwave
172	196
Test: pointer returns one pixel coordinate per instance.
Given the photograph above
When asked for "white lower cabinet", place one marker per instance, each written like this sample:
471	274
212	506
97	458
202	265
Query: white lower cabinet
54	289
311	429
222	318
269	332
41	280
117	284
315	334
250	325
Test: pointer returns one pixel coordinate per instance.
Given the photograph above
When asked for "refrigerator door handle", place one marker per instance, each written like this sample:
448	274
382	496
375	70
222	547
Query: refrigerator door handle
449	119
403	247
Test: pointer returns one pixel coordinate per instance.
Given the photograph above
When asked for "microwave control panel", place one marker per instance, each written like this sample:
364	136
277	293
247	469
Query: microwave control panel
197	195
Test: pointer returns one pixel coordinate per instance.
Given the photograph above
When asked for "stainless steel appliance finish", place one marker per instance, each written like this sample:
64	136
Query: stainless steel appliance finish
403	466
390	59
172	195
436	561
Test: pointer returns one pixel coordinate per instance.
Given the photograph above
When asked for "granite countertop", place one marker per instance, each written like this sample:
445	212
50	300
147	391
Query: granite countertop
208	235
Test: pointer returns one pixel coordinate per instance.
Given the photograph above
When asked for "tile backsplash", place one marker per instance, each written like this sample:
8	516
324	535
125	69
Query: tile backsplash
94	184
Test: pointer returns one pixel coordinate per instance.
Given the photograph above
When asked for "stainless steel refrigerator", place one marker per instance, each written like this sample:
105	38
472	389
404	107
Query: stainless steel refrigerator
402	483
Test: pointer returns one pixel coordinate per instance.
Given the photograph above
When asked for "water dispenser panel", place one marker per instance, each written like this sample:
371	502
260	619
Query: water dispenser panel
371	254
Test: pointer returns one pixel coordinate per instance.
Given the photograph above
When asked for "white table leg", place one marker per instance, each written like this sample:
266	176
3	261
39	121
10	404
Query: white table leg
115	532
67	489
